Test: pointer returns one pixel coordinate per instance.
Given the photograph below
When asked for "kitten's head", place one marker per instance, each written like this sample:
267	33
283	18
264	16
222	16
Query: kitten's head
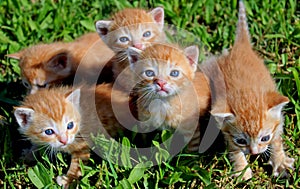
249	112
250	126
132	28
50	117
43	65
163	70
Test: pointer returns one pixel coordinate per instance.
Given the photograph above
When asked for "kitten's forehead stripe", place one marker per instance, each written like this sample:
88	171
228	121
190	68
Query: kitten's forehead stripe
54	106
250	112
129	17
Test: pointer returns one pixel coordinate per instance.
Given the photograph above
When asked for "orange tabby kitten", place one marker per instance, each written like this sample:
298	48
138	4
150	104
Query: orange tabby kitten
130	28
45	65
165	89
246	104
63	119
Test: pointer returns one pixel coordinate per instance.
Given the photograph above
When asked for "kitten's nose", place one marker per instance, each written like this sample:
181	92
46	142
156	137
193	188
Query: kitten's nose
138	46
160	83
63	140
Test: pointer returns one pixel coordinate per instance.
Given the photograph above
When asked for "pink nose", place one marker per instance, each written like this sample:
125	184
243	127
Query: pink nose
63	140
138	46
161	83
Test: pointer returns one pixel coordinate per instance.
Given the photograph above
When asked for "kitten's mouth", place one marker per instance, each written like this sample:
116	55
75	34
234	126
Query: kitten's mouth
162	92
64	146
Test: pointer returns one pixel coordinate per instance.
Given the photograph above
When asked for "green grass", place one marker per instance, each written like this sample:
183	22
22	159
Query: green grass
275	29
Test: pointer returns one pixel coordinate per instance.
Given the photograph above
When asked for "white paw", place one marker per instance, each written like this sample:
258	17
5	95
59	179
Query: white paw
281	166
246	176
63	181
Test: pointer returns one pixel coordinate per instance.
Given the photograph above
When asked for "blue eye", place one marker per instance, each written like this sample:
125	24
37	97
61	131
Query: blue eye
174	73
265	138
49	132
124	39
70	125
149	73
147	34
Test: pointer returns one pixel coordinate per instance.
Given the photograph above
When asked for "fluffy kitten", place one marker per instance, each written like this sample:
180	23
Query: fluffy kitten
246	104
165	88
63	119
46	65
130	28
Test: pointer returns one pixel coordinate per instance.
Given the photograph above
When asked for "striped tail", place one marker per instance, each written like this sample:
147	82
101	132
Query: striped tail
242	32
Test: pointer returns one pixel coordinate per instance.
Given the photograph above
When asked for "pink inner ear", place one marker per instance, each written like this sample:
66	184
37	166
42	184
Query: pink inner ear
191	60
158	17
58	62
24	118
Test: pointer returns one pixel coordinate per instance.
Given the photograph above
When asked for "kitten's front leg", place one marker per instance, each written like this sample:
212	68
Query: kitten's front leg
279	160
74	172
81	152
240	163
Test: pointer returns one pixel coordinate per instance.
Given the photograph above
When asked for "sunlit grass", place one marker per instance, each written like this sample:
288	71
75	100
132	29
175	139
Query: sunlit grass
275	29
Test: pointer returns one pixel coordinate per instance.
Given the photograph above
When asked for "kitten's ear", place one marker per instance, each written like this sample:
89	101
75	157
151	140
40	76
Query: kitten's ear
16	55
59	64
223	117
192	53
24	116
102	27
158	15
133	55
276	104
74	98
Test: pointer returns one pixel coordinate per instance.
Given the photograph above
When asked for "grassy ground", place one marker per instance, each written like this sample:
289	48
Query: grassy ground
275	29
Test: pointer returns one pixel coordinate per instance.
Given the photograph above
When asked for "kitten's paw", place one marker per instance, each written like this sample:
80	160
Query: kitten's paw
78	173
246	176
280	166
63	181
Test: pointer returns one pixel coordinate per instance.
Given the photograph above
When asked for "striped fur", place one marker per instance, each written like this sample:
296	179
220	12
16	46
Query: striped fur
47	65
178	102
141	28
54	108
246	104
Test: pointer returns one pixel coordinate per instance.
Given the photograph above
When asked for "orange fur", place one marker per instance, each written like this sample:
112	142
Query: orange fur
54	109
246	104
131	24
175	110
46	65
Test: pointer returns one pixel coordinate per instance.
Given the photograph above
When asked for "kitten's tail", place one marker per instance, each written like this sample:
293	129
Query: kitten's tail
242	32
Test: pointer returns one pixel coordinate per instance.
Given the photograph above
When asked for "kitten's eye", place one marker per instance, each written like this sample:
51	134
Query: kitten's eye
265	138
149	73
70	125
26	84
174	73
49	132
241	141
124	39
42	86
147	34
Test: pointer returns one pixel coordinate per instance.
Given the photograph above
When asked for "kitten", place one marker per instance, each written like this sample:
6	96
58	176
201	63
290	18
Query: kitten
165	89
130	28
46	65
63	119
246	104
